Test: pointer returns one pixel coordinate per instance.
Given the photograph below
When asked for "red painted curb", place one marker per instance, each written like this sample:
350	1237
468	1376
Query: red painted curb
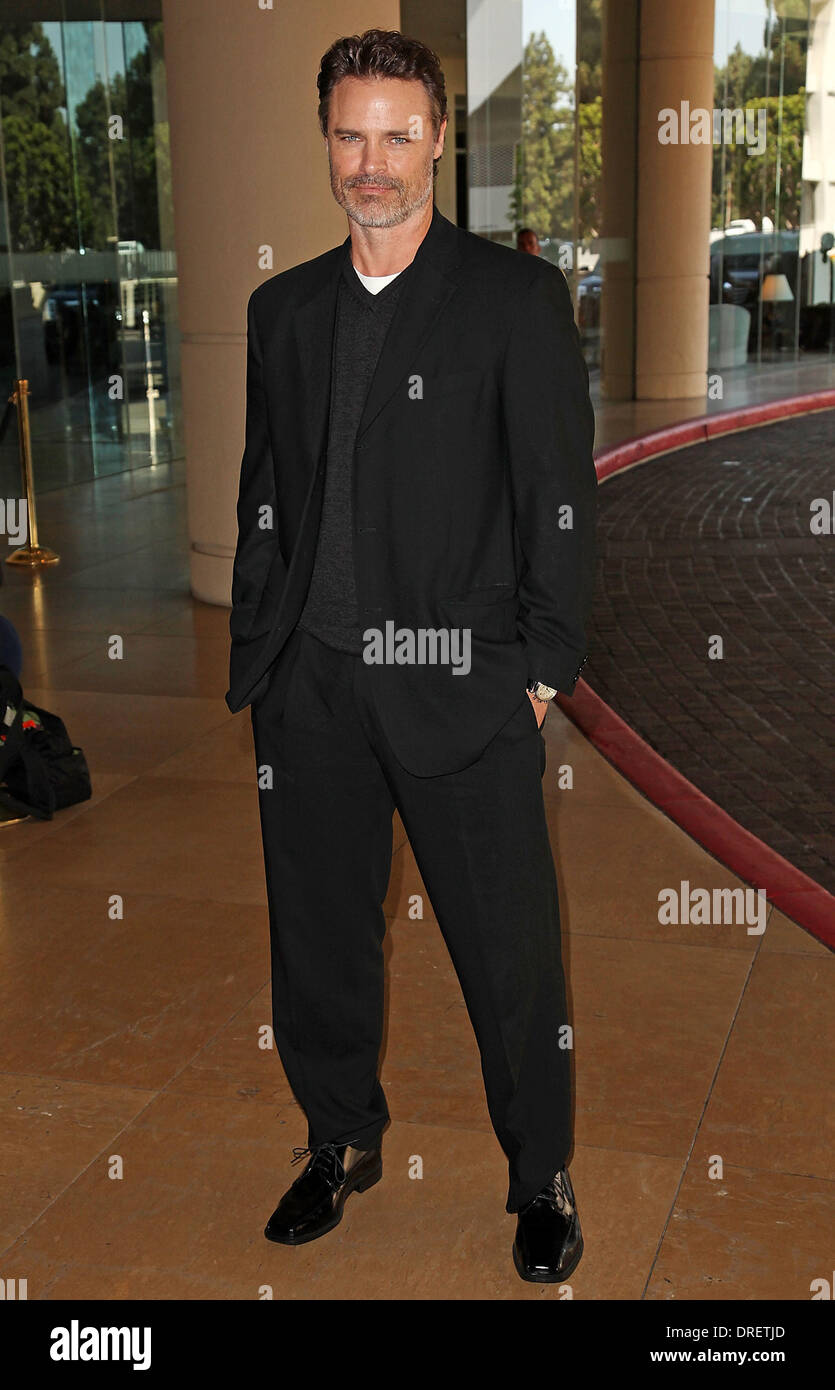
705	427
790	890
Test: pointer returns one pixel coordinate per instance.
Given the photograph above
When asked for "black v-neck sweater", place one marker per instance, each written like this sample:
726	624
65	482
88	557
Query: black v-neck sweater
362	322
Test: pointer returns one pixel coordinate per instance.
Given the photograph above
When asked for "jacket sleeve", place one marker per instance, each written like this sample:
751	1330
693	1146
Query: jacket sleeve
257	545
549	424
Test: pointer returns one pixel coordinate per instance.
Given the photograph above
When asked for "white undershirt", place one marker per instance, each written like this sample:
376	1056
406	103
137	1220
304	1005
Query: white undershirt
375	283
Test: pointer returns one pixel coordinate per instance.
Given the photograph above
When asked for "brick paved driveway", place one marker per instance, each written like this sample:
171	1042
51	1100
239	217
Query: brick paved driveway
715	541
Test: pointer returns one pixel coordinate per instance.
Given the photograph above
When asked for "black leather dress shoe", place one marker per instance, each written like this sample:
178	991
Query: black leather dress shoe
549	1243
313	1205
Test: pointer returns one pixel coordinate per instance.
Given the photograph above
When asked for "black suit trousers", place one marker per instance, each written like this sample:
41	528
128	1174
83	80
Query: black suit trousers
328	786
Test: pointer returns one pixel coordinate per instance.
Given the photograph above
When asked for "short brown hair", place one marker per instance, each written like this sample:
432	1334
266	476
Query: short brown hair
382	53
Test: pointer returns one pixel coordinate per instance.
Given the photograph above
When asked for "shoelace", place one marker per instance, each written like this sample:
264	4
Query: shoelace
327	1151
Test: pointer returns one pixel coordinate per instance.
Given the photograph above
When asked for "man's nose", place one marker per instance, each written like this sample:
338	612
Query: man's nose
373	158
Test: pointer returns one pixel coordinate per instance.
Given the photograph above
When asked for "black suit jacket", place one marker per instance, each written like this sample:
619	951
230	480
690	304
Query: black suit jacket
474	486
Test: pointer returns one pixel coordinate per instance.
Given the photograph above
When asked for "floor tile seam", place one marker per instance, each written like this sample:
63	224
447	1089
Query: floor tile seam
701	1117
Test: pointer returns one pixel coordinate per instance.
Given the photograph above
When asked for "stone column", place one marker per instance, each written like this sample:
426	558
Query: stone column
674	198
619	197
656	201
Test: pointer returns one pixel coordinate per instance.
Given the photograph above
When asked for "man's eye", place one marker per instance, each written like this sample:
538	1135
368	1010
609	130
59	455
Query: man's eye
400	139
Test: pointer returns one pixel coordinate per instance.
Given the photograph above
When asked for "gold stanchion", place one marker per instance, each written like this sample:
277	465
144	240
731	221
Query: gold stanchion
31	555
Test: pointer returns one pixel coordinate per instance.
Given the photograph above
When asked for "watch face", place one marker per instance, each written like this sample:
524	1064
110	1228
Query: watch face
544	692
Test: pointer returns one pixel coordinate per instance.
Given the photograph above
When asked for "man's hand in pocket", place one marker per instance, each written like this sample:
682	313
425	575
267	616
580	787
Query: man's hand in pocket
540	708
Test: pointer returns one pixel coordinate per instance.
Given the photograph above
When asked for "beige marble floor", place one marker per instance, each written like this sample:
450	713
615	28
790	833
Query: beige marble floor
130	1044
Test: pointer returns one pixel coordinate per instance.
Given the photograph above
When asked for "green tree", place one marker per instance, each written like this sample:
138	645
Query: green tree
591	167
543	191
746	185
118	172
35	145
757	175
74	186
590	115
589	43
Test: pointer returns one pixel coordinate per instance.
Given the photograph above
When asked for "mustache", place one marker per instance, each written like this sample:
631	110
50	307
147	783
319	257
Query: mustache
367	183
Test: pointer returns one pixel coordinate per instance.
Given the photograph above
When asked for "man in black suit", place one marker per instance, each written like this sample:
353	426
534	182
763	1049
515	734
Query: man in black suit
413	572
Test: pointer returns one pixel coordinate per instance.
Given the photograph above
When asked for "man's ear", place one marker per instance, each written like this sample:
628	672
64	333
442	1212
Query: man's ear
441	136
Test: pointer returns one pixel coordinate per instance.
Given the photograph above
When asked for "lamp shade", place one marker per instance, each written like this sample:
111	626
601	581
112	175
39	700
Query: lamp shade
776	289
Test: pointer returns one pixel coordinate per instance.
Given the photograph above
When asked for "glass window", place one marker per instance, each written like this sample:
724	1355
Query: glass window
533	138
88	292
552	151
772	180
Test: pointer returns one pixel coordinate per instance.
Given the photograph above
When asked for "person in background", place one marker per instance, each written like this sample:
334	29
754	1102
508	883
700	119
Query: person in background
527	240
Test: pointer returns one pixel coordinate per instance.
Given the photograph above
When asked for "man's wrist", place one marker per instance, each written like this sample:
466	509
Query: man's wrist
541	692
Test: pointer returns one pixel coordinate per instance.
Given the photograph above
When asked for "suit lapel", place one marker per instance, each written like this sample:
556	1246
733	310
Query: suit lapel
313	325
426	290
424	296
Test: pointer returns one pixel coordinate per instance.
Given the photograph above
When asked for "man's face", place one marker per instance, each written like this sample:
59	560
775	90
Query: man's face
529	242
380	147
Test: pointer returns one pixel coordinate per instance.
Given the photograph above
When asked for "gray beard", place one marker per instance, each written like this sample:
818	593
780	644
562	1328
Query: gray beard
370	214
